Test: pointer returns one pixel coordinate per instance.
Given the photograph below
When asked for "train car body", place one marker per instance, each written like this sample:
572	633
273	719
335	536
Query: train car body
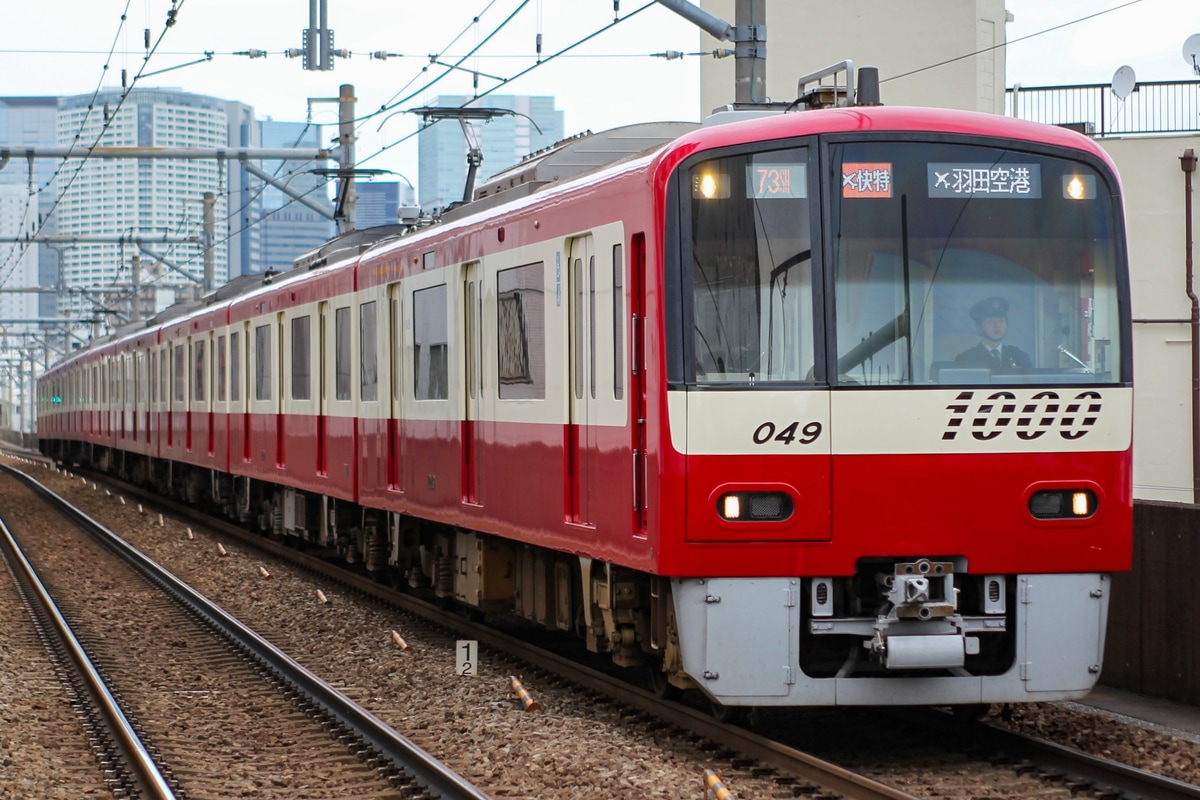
710	405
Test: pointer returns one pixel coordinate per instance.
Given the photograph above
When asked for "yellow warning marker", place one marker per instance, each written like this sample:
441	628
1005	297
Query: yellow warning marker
526	698
399	640
712	783
221	549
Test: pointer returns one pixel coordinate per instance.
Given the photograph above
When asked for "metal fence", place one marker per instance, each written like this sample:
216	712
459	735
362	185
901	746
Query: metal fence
1155	107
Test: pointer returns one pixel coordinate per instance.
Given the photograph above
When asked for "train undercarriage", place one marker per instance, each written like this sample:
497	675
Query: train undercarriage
896	618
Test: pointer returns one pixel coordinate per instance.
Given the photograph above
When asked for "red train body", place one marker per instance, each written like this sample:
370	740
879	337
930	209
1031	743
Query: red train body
708	406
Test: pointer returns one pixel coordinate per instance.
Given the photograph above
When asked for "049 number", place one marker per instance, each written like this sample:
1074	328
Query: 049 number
790	433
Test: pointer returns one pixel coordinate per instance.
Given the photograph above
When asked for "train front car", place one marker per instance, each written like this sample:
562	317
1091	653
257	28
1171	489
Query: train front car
878	508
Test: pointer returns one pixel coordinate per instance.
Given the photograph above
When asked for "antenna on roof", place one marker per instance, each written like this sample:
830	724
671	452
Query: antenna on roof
1123	81
1191	52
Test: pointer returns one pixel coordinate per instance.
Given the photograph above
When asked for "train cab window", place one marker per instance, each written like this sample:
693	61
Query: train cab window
301	359
235	368
262	362
221	363
747	255
341	354
430	344
201	370
521	332
368	352
956	263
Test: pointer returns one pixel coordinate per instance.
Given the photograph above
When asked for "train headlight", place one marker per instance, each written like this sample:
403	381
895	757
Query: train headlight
1079	187
731	506
1062	504
709	185
755	506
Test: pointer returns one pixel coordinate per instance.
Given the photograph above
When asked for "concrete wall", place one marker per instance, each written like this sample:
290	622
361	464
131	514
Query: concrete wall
1154	209
897	36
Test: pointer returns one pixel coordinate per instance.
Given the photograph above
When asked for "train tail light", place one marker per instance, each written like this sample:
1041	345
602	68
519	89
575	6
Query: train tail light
1062	504
755	506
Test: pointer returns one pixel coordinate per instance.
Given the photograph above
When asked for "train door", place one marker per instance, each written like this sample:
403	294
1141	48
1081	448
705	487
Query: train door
322	388
581	358
472	351
279	361
395	350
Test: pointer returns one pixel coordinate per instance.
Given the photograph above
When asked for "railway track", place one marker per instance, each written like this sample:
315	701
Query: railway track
904	764
222	709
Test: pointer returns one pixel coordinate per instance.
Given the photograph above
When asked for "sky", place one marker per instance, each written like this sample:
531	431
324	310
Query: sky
63	47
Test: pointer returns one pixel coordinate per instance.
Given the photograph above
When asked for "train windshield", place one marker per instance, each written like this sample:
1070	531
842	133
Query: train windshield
951	264
959	264
751	268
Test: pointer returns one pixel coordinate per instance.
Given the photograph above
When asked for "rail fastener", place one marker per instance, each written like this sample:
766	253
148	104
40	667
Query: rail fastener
714	787
526	698
399	640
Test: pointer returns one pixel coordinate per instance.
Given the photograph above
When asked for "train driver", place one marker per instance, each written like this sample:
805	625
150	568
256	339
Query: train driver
991	320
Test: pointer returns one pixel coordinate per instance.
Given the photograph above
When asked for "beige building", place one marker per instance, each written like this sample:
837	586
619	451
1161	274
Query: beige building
919	47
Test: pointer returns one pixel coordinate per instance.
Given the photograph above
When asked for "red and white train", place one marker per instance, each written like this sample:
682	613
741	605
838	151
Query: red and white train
703	395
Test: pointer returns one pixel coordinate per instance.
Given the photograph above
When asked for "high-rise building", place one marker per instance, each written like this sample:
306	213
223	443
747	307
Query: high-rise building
288	227
379	202
442	148
240	228
145	197
18	261
30	122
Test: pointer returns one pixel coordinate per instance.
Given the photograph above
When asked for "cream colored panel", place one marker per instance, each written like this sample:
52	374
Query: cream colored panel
749	422
984	419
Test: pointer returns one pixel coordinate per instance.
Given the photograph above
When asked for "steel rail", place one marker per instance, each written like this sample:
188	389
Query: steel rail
787	759
145	773
432	774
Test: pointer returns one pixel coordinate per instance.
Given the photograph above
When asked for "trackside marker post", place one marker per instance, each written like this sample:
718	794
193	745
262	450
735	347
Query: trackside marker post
526	697
466	657
713	787
399	640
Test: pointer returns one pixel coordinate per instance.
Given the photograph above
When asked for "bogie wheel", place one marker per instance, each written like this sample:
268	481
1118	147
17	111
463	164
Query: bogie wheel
661	685
730	715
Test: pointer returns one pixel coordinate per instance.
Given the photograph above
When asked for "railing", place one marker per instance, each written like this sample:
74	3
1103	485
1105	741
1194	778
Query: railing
1154	107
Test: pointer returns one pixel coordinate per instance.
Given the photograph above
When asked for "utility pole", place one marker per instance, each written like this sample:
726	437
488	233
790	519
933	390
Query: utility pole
347	198
135	276
210	202
749	35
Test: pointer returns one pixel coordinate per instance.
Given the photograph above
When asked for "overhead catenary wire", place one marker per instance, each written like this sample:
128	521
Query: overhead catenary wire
172	17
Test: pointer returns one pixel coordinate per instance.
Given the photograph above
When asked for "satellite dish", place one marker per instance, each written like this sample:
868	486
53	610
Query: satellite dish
1123	81
1191	52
